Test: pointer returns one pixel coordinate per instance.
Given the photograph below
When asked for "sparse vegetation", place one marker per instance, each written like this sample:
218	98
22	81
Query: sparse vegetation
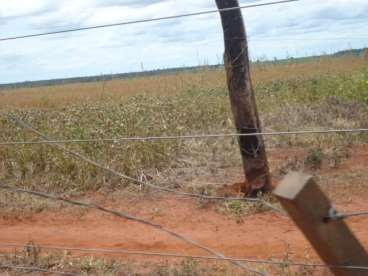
65	262
316	94
267	75
239	209
330	158
331	100
315	158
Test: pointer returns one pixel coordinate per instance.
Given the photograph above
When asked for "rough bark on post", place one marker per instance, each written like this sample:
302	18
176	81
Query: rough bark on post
242	99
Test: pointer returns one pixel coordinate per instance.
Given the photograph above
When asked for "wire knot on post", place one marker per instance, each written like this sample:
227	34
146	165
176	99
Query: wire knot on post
333	215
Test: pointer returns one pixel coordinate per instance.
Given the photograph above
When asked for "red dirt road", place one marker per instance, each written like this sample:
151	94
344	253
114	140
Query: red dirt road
259	236
263	235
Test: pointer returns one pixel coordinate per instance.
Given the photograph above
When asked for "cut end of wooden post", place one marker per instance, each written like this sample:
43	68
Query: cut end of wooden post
292	185
308	206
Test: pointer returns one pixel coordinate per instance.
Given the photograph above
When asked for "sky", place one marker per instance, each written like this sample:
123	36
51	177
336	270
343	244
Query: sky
295	29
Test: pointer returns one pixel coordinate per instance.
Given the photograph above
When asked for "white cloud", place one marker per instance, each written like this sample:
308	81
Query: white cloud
16	8
161	44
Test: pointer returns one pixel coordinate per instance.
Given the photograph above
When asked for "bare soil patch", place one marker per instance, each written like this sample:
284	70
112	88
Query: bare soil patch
260	235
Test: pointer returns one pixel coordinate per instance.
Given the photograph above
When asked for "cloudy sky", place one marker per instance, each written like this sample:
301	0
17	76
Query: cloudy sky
295	29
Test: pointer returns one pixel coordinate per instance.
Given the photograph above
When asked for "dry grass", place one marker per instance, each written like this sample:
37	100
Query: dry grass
325	93
32	256
170	84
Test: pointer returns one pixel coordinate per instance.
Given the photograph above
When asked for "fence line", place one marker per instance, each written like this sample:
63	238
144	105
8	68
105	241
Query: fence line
129	217
305	39
337	215
124	215
134	180
184	137
34	268
179	255
147	20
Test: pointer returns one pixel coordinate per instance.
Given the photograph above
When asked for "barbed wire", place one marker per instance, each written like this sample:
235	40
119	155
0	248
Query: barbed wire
129	217
134	180
179	255
184	137
147	20
34	268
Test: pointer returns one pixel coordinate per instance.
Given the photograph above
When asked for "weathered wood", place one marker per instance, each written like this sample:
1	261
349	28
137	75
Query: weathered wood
242	99
309	207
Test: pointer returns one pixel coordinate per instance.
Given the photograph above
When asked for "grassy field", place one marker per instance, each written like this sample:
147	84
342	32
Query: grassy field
319	94
172	84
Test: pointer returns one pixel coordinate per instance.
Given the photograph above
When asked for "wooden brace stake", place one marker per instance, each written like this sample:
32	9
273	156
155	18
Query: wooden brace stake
310	209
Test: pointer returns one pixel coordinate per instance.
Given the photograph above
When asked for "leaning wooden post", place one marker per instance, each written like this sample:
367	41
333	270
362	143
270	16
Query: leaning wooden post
242	99
310	209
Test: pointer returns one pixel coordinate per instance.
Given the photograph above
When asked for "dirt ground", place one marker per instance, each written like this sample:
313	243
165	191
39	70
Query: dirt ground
261	235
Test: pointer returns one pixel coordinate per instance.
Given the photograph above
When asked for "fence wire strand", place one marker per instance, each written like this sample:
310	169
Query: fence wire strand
134	180
129	217
36	269
185	137
147	20
217	256
179	255
339	216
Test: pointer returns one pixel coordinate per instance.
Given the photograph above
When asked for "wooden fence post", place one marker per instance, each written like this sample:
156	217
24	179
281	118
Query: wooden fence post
242	99
310	208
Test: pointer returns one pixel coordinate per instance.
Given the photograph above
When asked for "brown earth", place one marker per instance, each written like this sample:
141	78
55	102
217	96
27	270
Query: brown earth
260	236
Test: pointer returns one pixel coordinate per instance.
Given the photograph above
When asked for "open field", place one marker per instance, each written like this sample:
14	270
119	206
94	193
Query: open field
172	84
324	93
295	101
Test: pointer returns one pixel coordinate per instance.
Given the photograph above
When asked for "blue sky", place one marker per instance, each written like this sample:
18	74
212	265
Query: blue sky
294	29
